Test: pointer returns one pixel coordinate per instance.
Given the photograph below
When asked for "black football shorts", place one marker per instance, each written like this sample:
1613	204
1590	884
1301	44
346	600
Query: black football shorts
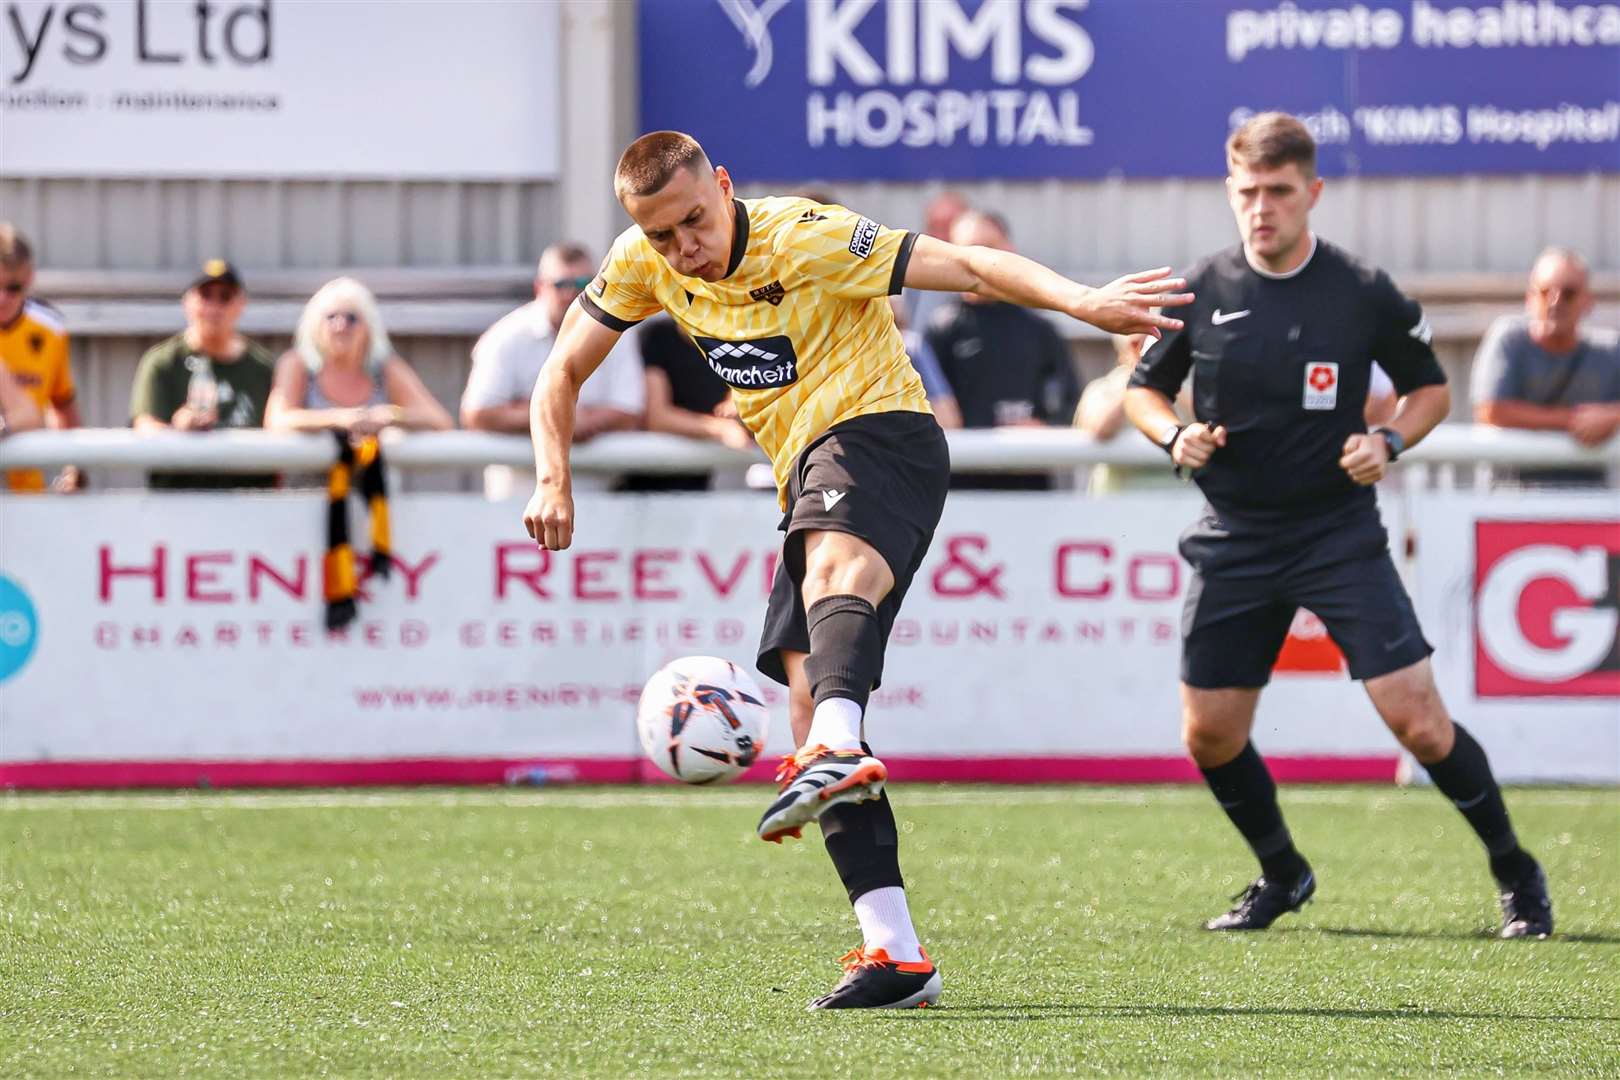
882	478
1339	568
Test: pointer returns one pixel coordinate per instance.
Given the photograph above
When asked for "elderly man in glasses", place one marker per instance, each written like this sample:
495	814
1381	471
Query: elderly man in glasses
507	360
34	351
1543	370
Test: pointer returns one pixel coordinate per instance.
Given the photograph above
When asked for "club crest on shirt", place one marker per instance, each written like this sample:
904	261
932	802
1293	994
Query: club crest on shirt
865	235
773	294
1321	385
36	342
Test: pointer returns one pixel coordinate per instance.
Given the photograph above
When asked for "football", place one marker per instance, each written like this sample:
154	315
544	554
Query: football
702	720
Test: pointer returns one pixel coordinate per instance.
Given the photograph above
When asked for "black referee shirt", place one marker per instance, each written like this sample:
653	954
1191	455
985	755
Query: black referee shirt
1284	362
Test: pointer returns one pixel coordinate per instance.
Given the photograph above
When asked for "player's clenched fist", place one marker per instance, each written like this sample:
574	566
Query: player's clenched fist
1196	443
1365	458
549	517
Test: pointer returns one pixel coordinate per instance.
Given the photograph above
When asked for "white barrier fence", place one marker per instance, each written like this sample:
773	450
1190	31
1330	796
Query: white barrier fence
971	451
177	638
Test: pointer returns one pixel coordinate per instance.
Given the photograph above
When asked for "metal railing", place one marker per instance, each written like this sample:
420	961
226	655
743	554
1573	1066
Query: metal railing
1002	450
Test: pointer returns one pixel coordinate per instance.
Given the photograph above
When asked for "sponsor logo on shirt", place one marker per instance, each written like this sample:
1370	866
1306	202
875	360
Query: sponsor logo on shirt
866	232
756	364
1321	385
772	294
598	285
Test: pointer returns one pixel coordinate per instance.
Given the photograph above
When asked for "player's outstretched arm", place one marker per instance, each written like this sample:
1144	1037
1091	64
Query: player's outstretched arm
1123	306
582	344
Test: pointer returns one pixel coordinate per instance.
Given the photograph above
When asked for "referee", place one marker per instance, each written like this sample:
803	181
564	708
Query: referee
1281	341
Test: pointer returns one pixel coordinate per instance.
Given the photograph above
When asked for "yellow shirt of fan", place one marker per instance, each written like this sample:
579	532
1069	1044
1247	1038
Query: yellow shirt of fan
800	327
34	348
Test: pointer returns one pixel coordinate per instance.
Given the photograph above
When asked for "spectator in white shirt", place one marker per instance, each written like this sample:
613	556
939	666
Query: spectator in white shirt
508	358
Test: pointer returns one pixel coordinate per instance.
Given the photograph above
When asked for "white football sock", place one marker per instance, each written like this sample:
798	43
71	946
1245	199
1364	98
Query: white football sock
836	725
886	923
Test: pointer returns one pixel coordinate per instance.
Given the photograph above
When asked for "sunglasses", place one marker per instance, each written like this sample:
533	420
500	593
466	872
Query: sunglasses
576	283
347	318
217	294
15	287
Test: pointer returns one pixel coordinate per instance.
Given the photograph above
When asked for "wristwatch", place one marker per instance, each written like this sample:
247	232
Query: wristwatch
1167	437
1393	440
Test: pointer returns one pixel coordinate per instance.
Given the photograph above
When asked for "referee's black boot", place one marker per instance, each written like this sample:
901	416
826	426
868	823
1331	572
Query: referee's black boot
1526	907
1261	903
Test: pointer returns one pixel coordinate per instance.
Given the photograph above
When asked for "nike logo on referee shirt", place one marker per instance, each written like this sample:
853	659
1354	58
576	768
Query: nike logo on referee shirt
829	499
1218	319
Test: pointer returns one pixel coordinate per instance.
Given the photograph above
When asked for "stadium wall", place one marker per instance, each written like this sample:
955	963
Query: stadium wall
176	639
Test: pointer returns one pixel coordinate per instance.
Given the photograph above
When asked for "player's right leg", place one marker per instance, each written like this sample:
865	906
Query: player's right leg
1233	631
842	579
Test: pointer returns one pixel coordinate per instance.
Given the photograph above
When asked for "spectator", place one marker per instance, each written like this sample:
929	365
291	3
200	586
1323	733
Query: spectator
34	351
1541	371
1101	415
342	373
1008	366
939	215
684	397
938	388
206	377
508	358
17	410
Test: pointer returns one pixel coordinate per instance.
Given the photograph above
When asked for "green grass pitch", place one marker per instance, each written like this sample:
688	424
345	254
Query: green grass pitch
646	933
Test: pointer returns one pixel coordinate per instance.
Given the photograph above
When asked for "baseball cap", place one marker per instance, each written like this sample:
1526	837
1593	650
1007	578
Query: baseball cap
216	271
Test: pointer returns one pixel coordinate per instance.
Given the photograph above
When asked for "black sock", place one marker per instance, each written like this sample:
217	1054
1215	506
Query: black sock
1245	790
846	649
1464	777
864	844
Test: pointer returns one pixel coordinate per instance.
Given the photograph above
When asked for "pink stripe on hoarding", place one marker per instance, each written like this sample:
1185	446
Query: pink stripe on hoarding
1083	769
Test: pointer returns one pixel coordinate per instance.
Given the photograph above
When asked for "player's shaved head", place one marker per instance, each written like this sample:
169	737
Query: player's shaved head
652	161
1270	141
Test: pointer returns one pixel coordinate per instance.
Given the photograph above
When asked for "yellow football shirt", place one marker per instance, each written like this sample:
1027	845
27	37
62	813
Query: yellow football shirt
34	349
800	327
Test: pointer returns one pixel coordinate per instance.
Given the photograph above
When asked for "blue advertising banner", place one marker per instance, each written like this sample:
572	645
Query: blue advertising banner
965	89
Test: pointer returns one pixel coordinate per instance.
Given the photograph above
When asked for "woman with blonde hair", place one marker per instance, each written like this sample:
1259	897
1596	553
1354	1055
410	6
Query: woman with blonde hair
342	373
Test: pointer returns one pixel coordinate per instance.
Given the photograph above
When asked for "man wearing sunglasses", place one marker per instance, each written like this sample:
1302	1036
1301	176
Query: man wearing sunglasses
207	377
508	358
34	350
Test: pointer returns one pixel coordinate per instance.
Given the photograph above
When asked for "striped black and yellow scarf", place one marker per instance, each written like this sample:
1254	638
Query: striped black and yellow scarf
362	465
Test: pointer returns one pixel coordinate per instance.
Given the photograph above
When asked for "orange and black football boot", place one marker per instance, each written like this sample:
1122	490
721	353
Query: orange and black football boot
873	981
814	779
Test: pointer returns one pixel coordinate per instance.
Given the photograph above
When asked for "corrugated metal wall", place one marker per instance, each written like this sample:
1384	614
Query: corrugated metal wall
1431	225
1467	224
80	224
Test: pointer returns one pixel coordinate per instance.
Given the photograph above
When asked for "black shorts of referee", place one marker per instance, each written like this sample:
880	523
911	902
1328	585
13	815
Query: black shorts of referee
1251	576
882	478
